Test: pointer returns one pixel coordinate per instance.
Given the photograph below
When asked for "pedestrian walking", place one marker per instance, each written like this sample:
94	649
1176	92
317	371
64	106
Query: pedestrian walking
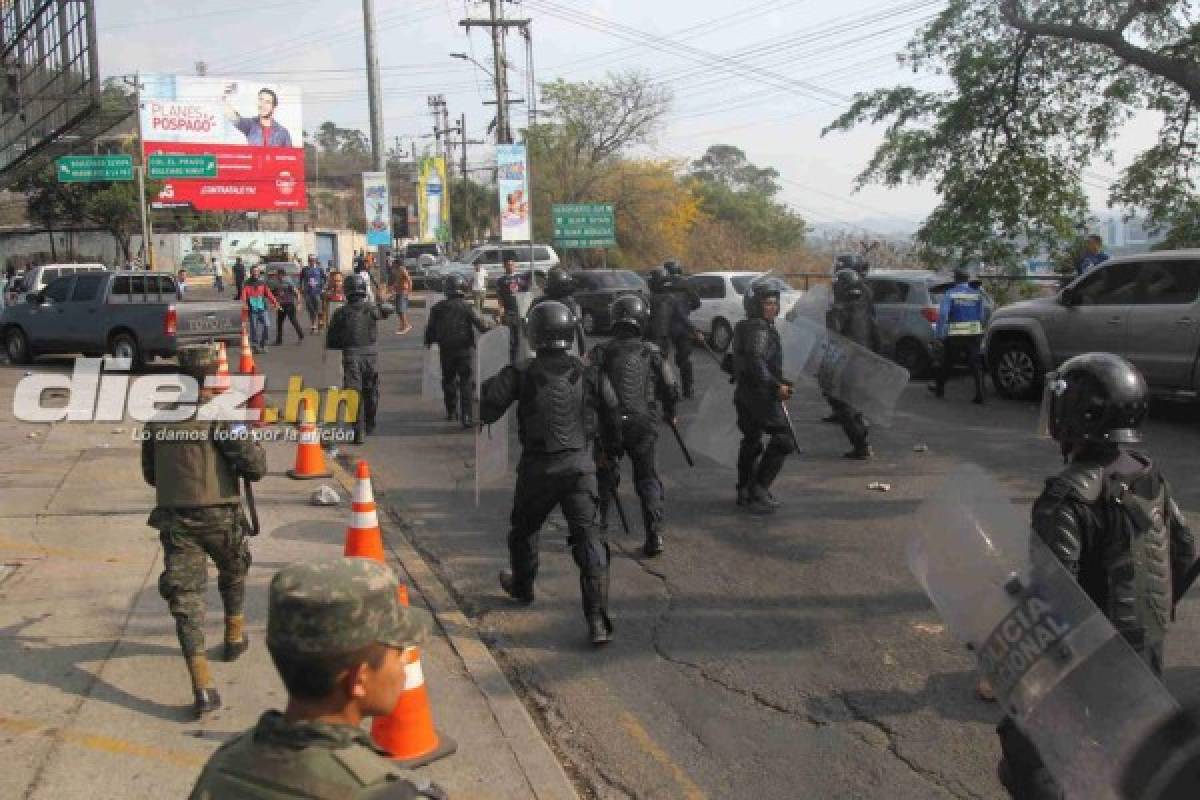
508	286
402	286
853	316
194	466
452	325
479	282
961	318
353	330
334	296
1111	519
338	637
181	282
562	406
312	283
218	273
258	299
288	296
645	387
759	399
239	277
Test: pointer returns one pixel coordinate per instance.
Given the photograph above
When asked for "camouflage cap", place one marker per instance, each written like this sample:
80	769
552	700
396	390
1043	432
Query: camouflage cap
198	360
339	606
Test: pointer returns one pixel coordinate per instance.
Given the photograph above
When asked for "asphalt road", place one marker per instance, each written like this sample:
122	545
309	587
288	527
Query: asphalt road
781	657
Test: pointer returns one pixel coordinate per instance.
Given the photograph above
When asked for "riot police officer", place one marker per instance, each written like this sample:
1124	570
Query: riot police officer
853	316
643	381
1109	517
353	330
194	466
561	408
560	287
451	326
961	317
671	303
759	397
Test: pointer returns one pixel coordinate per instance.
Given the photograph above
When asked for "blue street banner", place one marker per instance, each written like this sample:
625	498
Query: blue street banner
377	206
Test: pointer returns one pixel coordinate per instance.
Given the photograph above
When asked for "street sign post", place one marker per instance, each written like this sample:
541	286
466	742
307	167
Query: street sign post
94	169
160	166
579	226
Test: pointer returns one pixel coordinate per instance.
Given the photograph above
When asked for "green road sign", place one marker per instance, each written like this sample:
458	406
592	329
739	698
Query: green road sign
580	226
94	169
162	165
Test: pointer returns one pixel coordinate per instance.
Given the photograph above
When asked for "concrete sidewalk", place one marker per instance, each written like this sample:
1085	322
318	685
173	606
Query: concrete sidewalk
96	692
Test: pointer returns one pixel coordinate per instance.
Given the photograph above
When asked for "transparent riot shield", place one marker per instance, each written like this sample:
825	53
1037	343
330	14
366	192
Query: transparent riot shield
491	442
713	432
525	348
812	305
1058	667
431	375
841	368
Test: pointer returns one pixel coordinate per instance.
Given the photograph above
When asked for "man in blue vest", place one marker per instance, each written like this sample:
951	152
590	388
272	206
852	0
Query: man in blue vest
960	322
1093	255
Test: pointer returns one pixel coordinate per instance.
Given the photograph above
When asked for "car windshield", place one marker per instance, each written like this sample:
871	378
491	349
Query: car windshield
608	280
742	281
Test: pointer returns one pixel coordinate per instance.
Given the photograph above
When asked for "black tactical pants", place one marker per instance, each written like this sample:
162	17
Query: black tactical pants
358	373
539	490
286	311
217	533
681	347
956	349
1024	774
458	390
640	439
852	421
514	335
756	464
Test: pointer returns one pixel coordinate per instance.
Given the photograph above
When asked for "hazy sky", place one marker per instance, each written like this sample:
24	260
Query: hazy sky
797	64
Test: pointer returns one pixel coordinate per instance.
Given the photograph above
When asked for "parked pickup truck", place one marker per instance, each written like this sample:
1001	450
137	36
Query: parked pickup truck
1144	307
130	314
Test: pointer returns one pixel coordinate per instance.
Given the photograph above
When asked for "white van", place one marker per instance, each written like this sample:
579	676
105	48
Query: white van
35	279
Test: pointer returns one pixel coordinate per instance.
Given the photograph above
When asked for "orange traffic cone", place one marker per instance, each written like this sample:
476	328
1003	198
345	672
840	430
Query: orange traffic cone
310	461
221	379
363	538
408	733
246	366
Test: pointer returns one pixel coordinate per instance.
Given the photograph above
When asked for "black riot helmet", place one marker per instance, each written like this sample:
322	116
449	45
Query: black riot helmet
756	293
551	326
1095	398
961	275
559	283
848	286
454	285
632	312
356	286
672	268
659	280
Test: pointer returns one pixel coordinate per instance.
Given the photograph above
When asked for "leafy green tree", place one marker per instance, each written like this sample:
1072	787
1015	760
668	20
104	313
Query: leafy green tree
736	192
472	208
1039	92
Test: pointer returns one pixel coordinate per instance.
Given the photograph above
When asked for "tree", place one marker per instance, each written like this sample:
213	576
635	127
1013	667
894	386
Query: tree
727	165
654	211
114	207
472	208
1039	93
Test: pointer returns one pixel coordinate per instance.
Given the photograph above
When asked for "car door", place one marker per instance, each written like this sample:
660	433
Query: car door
711	290
1098	320
1164	322
48	320
83	313
890	299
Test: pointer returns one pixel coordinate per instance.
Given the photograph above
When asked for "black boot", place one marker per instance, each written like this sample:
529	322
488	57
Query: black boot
234	650
523	595
599	629
761	501
206	702
860	453
595	607
654	542
743	495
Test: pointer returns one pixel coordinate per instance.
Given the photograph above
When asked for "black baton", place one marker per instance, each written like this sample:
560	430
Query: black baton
251	507
620	510
791	428
682	446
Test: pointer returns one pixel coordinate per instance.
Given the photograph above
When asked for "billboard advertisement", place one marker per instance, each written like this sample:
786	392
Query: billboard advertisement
254	129
433	200
513	179
377	208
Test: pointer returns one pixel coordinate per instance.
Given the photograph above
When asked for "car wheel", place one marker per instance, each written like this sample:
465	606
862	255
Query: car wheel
1016	371
124	345
589	323
16	345
722	335
913	357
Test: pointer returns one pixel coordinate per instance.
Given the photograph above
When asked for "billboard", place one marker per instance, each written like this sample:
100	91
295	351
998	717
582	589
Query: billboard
254	129
433	200
377	209
512	178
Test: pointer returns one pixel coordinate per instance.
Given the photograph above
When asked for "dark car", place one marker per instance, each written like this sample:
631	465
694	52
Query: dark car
595	291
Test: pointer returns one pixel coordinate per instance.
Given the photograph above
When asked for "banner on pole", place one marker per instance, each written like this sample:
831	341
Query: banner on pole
377	206
434	204
513	180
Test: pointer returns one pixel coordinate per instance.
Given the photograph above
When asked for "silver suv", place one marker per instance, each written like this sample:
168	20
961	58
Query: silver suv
1144	307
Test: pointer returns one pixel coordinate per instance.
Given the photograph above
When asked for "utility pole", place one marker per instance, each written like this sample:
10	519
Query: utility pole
375	102
499	27
147	262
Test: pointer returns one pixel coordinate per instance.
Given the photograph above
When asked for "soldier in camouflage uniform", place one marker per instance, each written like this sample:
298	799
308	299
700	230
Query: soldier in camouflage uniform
335	630
194	467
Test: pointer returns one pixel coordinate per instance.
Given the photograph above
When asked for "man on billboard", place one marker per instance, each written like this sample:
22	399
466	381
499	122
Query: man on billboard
262	130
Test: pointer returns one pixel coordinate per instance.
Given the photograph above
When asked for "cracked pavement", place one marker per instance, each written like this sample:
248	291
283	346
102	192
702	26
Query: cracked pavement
778	657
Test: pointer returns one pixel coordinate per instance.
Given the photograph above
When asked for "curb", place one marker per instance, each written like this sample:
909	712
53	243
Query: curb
545	775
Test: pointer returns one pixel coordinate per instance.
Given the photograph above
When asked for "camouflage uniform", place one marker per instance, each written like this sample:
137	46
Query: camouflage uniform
330	607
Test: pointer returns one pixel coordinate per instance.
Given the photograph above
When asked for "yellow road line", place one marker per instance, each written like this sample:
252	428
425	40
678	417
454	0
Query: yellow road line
102	744
634	728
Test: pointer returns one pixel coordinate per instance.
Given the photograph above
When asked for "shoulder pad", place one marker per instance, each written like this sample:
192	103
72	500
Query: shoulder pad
367	766
1084	482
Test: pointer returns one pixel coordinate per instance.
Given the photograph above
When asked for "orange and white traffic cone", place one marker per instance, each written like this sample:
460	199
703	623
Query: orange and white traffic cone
221	379
363	537
408	734
246	366
310	460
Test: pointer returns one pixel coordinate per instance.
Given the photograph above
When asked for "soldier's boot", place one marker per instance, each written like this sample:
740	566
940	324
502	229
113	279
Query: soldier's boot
236	640
205	697
862	452
595	607
652	522
522	594
761	501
